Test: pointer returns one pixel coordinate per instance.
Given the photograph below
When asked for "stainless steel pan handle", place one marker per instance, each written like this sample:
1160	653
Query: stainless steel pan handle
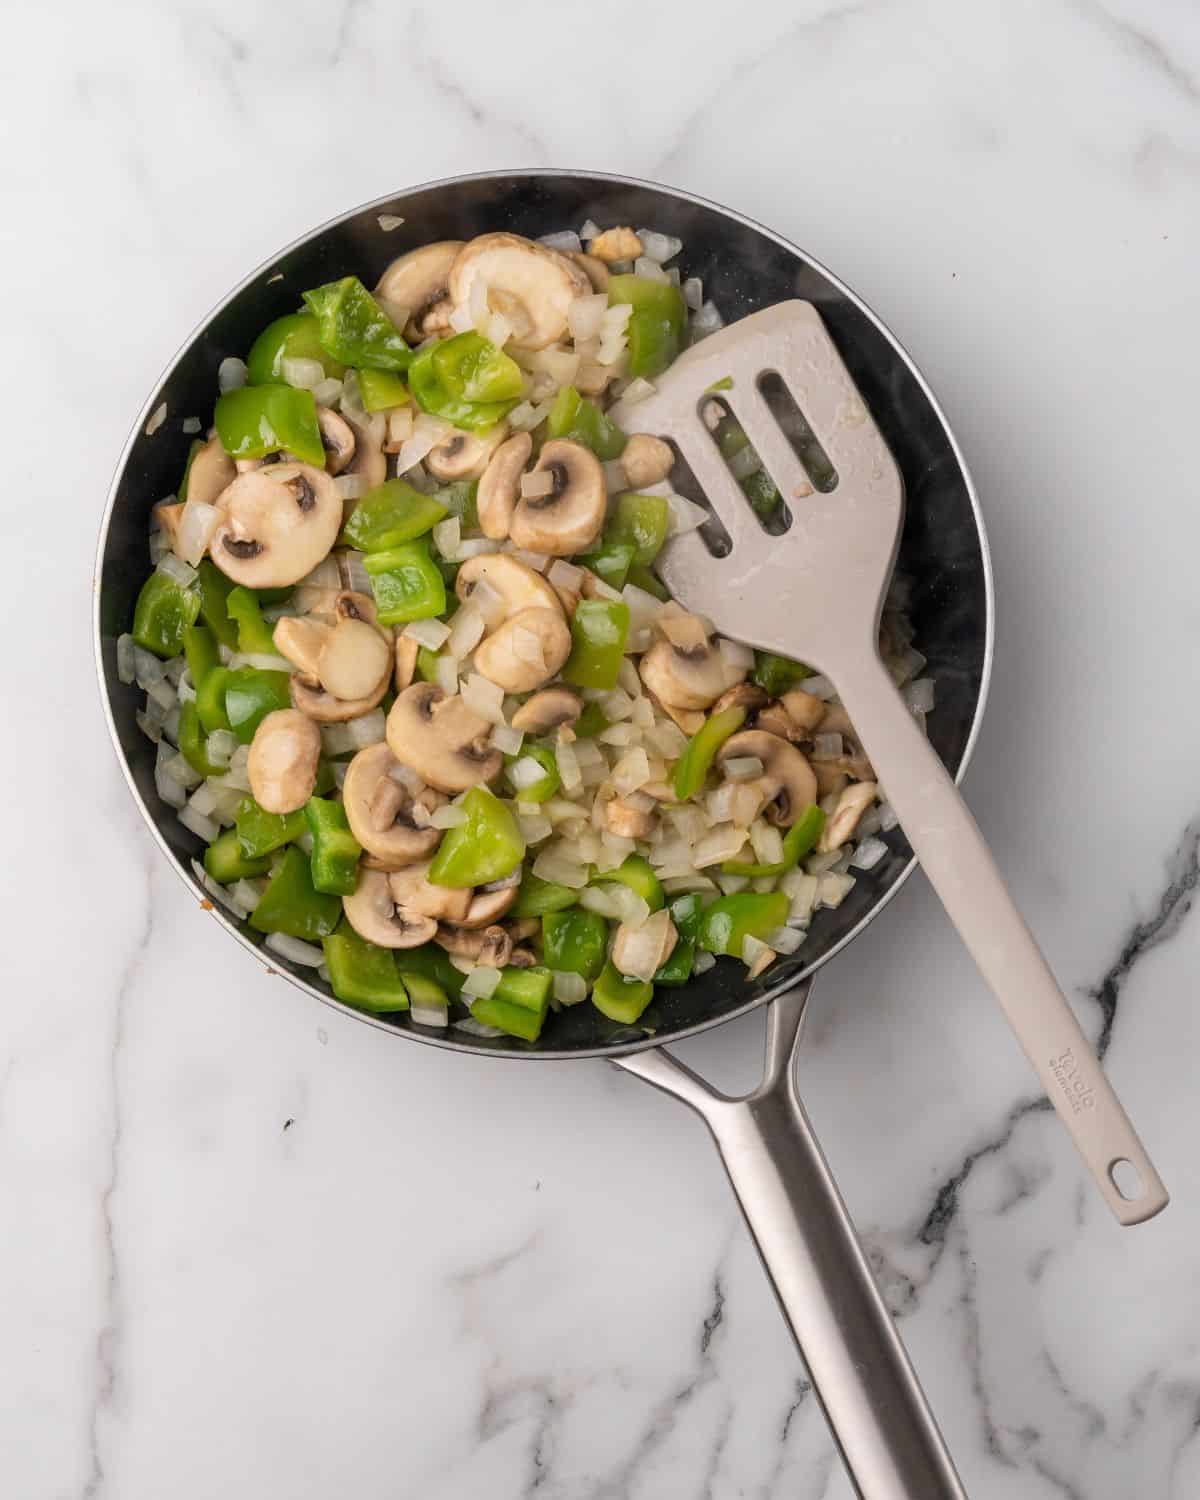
859	1369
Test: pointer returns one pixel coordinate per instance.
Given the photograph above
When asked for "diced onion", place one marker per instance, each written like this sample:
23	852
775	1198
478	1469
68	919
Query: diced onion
585	316
649	270
631	771
447	816
430	1015
568	767
262	661
819	686
367	729
534	828
554	865
328	392
431	634
919	695
767	842
466	631
196	526
299	952
484	698
526	772
126	659
659	247
447	535
157	417
833	889
350	486
247	893
868	854
446	671
703	962
887	817
753	948
693	293
735	653
489	603
742	767
203	827
565	240
388	222
231	374
722	843
685	516
565	575
481	982
569	989
507	740
304	374
177	571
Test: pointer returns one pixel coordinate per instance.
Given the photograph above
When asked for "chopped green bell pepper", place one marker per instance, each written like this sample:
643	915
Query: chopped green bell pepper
442	374
590	722
381	389
250	695
486	847
459	499
427	664
543	790
536	896
196	445
390	514
363	973
731	919
192	742
406	583
427	994
798	841
215	589
225	861
200	649
777	675
210	700
762	492
254	634
255	420
429	962
295	336
518	1004
335	851
575	417
640	521
610	562
575	941
620	998
260	832
353	327
702	748
291	905
678	968
599	629
655	327
686	913
643	578
163	612
637	873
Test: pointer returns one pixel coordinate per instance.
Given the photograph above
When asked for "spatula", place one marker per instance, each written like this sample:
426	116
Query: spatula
815	593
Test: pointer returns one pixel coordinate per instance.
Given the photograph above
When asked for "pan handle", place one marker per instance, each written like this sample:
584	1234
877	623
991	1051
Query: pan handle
859	1369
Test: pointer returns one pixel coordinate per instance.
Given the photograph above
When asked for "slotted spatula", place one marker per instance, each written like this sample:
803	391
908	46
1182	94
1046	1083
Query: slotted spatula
815	593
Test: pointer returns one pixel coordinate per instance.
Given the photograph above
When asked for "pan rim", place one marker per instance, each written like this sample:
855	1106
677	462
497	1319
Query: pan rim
449	1041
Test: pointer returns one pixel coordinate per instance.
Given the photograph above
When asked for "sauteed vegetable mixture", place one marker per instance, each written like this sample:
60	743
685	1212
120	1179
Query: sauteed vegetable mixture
414	681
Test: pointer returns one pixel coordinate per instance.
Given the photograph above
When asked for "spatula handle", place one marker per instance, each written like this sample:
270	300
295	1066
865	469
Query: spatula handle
960	867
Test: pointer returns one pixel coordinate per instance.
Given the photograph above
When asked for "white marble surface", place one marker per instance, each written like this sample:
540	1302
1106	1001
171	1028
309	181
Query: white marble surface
251	1248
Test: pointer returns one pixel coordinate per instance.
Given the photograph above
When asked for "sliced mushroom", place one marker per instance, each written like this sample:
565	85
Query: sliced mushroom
488	946
805	710
524	927
370	461
525	651
531	285
518	585
832	780
646	460
521	958
763	962
406	661
853	761
282	765
747	695
337	438
302	640
661	791
212	471
374	915
621	243
168	518
787	779
311	698
568	518
628	821
639	952
487	907
691	677
851	805
276	525
500	487
690	720
353	659
547	710
465	455
593	268
379	811
414	283
775	719
411	889
441	739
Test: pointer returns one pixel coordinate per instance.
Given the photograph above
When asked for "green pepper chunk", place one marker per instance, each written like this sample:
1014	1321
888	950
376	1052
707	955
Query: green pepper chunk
254	634
620	998
427	994
250	695
389	515
459	499
225	861
210	700
777	675
640	521
575	941
196	445
590	722
427	664
702	748
291	905
215	589
406	583
255	420
381	389
575	417
536	896
200	649
643	578
636	872
353	327
192	742
335	851
545	788
162	613
363	973
518	1004
731	919
761	491
678	968
686	913
260	832
442	373
610	562
294	336
599	628
798	841
655	327
486	847
432	964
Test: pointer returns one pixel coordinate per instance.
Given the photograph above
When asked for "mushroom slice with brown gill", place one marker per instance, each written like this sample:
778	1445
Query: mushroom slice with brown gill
646	460
464	455
370	461
639	952
282	765
787	780
415	283
568	517
518	585
441	739
530	285
525	651
747	695
374	915
500	486
337	438
487	907
276	525
688	676
851	804
490	947
412	890
406	661
794	716
211	471
547	710
379	811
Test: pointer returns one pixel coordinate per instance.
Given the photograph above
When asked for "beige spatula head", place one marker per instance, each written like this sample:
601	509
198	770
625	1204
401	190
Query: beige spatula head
815	593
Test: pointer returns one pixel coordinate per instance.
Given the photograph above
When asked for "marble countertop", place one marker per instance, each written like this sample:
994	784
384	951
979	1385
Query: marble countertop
253	1248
